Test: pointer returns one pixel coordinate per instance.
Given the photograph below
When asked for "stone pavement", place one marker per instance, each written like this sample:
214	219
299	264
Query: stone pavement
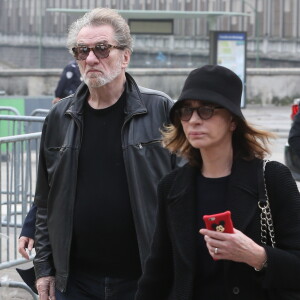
10	274
273	118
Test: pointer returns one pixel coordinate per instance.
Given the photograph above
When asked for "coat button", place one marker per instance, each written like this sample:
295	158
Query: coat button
236	290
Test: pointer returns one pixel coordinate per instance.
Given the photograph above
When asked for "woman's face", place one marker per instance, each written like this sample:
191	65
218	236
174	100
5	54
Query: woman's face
213	130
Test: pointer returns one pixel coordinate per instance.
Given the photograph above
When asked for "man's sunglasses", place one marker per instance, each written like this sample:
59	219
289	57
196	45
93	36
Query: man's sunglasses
204	112
100	51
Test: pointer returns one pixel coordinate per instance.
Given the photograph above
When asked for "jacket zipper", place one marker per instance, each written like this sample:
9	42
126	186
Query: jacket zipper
141	145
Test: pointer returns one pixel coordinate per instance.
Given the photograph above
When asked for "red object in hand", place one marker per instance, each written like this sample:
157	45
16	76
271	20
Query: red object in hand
220	222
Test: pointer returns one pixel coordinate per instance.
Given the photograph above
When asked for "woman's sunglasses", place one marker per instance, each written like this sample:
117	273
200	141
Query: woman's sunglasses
204	112
100	51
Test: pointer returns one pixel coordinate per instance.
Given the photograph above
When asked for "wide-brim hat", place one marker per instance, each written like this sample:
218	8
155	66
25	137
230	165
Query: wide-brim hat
212	84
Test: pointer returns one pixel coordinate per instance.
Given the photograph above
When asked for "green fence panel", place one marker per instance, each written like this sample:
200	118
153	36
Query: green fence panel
8	128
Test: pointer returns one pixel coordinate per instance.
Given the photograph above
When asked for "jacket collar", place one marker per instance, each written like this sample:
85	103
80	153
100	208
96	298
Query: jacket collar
134	104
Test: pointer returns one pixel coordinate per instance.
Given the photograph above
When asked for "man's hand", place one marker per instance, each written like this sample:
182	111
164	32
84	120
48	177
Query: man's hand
46	288
25	243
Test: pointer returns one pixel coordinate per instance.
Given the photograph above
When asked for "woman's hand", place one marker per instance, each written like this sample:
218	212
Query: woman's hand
234	246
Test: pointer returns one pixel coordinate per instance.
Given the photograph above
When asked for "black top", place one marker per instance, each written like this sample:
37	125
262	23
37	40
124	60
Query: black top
211	198
104	237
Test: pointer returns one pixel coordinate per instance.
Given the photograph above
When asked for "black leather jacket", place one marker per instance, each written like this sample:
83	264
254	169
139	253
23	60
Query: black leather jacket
145	162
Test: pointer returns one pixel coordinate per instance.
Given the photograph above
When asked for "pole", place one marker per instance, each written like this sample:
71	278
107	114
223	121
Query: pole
255	31
40	33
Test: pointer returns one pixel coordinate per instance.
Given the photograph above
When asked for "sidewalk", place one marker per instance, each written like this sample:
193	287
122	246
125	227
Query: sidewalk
10	274
273	118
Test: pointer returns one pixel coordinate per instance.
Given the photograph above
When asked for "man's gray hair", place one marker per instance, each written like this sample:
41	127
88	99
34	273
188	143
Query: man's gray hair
97	17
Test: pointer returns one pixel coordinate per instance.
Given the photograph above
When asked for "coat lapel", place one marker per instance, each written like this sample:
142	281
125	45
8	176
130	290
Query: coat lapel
182	215
243	193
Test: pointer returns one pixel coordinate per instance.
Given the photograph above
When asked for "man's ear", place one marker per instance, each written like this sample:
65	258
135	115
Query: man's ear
126	58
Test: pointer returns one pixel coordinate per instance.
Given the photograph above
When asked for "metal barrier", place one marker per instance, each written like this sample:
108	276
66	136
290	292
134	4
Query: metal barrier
9	128
20	285
20	124
18	169
8	109
35	127
17	185
40	111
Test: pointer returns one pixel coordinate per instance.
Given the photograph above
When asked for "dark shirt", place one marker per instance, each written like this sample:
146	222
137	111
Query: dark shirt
211	199
104	237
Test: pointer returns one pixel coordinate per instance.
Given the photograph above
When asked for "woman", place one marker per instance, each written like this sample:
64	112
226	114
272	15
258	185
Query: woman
224	156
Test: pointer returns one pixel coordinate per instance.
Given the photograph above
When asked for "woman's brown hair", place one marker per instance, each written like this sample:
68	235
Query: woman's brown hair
247	142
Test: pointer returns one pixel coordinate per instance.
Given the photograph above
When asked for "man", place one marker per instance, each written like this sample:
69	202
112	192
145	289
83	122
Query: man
100	162
68	82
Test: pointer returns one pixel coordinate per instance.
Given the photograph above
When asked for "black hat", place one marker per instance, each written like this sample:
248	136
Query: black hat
215	84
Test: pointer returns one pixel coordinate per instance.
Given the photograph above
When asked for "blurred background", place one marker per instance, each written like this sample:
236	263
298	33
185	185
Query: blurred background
171	37
33	32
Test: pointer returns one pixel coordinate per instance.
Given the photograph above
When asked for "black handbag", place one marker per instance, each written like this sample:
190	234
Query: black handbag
266	220
268	234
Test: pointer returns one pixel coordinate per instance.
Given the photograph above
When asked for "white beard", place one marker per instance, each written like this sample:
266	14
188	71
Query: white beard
97	80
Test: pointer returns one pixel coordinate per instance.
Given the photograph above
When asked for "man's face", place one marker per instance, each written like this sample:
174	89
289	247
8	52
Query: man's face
97	72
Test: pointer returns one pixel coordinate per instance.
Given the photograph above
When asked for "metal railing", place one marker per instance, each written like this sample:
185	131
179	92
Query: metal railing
18	169
40	111
17	185
17	125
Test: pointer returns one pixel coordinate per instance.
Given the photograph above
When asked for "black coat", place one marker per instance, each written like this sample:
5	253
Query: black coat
145	160
170	269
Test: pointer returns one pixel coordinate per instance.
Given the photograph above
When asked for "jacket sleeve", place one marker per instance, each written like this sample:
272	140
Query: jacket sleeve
283	271
294	135
156	280
43	263
28	228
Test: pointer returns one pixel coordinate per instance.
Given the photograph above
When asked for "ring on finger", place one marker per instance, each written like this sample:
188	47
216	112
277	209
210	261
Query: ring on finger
216	250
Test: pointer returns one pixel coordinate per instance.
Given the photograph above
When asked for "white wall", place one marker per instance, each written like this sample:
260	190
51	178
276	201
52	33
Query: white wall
263	85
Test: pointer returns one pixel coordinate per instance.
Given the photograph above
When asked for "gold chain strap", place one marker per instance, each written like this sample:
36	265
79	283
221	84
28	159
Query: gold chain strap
266	220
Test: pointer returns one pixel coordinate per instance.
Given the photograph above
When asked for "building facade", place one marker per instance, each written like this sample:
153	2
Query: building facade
32	36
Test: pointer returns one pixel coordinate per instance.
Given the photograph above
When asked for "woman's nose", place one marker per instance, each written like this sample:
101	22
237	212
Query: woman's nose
195	117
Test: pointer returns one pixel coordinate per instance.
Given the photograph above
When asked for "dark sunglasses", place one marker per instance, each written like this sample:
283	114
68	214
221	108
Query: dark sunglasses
100	51
204	112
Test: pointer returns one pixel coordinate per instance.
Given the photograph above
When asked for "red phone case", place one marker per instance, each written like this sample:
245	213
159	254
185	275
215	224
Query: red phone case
219	222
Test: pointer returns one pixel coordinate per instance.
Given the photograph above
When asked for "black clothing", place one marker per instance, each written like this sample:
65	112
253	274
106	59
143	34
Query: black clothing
145	163
171	267
28	228
69	80
102	186
83	286
294	135
211	195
